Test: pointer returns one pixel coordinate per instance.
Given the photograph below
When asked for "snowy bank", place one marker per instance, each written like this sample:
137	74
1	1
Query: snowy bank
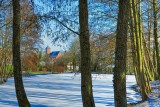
154	97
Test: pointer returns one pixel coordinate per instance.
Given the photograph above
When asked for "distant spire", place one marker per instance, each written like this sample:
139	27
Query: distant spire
47	47
48	50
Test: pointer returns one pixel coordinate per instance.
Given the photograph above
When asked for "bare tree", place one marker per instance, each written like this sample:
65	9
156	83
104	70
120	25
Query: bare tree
86	79
20	92
120	55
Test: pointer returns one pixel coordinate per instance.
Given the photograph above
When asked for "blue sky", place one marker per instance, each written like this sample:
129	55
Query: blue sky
102	19
67	12
48	42
51	26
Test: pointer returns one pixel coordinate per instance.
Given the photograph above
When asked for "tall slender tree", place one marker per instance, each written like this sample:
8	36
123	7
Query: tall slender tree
133	42
20	92
155	33
143	75
86	79
120	55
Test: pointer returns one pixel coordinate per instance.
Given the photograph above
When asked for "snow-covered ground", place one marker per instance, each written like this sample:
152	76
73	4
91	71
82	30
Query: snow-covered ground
154	97
63	90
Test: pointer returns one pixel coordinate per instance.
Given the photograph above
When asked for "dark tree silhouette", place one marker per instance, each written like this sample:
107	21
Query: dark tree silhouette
20	92
120	55
86	79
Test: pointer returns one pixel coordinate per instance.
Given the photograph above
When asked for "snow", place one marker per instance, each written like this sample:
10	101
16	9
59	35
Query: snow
63	90
154	97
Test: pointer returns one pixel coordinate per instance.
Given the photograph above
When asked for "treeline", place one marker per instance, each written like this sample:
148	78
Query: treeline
102	54
141	47
29	37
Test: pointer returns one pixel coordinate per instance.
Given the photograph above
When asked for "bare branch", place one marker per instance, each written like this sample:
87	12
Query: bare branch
6	24
56	19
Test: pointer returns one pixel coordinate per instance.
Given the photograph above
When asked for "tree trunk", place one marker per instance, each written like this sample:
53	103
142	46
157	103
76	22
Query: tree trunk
133	41
73	64
20	92
155	33
141	70
86	79
120	55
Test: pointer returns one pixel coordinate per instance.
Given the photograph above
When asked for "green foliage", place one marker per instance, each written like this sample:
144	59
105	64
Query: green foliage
40	55
9	68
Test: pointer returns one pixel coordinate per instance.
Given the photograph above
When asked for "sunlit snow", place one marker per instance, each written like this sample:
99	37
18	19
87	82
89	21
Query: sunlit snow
153	98
63	90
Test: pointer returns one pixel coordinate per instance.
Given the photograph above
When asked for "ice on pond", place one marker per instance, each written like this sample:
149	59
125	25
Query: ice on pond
64	90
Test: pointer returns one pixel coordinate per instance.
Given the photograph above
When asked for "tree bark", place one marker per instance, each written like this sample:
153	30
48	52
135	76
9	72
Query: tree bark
120	55
86	79
20	92
155	33
141	70
133	41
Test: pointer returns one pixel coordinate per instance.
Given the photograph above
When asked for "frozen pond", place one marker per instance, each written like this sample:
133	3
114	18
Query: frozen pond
63	90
